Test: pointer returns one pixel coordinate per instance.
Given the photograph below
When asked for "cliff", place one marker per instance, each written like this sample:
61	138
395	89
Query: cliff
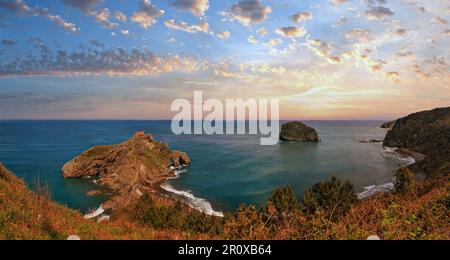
32	215
388	125
127	170
298	132
427	133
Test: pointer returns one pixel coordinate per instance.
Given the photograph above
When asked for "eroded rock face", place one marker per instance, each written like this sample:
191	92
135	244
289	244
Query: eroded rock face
428	133
388	125
298	132
129	169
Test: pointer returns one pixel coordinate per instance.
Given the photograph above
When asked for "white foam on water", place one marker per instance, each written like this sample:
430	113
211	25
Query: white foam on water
179	172
94	214
370	191
194	202
390	153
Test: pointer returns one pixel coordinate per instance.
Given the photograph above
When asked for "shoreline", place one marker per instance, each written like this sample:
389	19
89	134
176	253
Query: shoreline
188	197
406	156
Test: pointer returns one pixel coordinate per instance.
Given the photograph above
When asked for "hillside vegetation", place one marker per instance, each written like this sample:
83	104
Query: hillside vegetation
418	214
27	215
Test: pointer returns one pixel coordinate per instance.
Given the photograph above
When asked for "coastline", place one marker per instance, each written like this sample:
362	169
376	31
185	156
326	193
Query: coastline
405	156
188	197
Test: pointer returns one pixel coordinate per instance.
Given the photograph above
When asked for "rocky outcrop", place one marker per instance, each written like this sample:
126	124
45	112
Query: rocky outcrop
298	132
388	125
427	133
127	170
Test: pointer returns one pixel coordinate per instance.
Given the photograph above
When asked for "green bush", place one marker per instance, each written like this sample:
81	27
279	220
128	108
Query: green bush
405	180
332	197
284	201
147	212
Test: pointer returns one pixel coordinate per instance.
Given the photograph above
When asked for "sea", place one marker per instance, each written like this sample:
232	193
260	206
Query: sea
226	170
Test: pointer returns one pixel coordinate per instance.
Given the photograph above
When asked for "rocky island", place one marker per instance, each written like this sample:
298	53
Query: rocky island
127	170
298	132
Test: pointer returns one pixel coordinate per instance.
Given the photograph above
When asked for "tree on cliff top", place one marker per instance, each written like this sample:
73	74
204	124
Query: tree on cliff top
332	197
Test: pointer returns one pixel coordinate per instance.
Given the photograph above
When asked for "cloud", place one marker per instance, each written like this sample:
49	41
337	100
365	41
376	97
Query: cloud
56	19
19	6
183	26
404	54
96	61
103	17
338	2
8	42
301	17
250	12
375	65
439	20
15	6
400	32
393	76
340	21
291	32
196	7
252	40
359	34
319	47
335	60
379	13
147	14
262	31
121	17
224	35
274	42
125	32
83	5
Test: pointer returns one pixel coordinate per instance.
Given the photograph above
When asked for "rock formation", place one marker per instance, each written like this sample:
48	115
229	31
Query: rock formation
388	125
427	133
127	170
298	132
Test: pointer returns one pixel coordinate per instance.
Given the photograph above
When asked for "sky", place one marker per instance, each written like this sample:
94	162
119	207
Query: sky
130	59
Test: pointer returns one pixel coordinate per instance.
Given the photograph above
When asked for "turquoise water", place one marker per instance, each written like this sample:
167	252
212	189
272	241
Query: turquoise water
226	170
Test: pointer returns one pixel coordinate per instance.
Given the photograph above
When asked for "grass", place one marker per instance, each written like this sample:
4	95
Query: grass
419	214
27	215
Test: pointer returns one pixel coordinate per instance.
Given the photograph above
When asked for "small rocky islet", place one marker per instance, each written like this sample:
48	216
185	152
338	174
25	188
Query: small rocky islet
298	132
127	170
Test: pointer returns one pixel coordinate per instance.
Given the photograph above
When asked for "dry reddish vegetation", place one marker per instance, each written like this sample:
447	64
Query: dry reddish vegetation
32	215
419	213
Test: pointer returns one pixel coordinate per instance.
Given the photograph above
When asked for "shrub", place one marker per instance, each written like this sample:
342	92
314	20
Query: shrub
333	197
405	180
284	201
246	223
147	212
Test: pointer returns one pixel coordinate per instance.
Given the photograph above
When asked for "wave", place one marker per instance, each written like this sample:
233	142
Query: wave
194	202
390	153
370	191
95	214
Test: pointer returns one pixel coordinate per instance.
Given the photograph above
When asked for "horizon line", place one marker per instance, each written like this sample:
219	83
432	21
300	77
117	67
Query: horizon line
165	119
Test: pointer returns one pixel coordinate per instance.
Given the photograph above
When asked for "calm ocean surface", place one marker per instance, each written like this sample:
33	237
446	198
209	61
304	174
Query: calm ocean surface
226	170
